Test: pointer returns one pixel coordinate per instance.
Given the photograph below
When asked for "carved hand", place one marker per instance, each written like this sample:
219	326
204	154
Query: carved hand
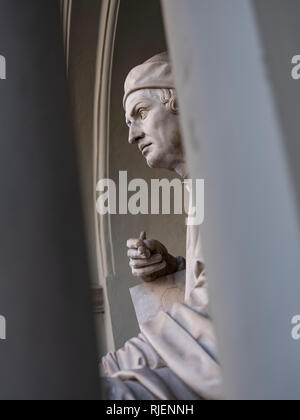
149	259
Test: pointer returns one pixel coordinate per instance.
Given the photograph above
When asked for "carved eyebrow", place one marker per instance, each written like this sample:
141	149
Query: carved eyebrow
134	111
135	108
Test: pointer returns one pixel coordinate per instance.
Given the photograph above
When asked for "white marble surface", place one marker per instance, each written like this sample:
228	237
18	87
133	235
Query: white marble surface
151	298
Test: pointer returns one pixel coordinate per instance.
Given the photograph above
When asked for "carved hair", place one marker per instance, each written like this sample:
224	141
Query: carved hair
167	96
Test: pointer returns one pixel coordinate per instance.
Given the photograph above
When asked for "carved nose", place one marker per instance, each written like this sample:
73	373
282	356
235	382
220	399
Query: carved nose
135	135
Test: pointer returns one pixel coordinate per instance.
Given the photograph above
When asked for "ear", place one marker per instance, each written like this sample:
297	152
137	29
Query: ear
173	106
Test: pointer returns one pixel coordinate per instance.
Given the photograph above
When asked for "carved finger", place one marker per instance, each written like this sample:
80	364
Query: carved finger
148	271
134	243
155	247
144	252
141	263
135	254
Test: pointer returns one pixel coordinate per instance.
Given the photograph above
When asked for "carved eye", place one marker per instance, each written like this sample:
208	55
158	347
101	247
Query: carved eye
143	113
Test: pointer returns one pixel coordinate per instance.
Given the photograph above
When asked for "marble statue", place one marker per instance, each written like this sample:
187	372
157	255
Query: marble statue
175	356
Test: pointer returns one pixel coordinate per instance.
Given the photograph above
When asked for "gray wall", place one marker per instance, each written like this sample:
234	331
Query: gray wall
83	45
81	78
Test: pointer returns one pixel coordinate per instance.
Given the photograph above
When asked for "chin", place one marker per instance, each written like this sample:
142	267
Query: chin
153	163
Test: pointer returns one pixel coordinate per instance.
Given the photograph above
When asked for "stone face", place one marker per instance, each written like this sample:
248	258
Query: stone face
147	111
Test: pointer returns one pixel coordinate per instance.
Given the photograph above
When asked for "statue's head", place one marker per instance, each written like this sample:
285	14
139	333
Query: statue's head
152	116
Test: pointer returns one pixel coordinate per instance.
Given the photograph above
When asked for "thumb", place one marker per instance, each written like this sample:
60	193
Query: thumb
143	236
143	249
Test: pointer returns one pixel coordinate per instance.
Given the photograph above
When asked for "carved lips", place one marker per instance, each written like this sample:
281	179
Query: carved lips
143	148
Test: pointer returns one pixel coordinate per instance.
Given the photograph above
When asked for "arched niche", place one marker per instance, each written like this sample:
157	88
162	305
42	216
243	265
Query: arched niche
104	40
